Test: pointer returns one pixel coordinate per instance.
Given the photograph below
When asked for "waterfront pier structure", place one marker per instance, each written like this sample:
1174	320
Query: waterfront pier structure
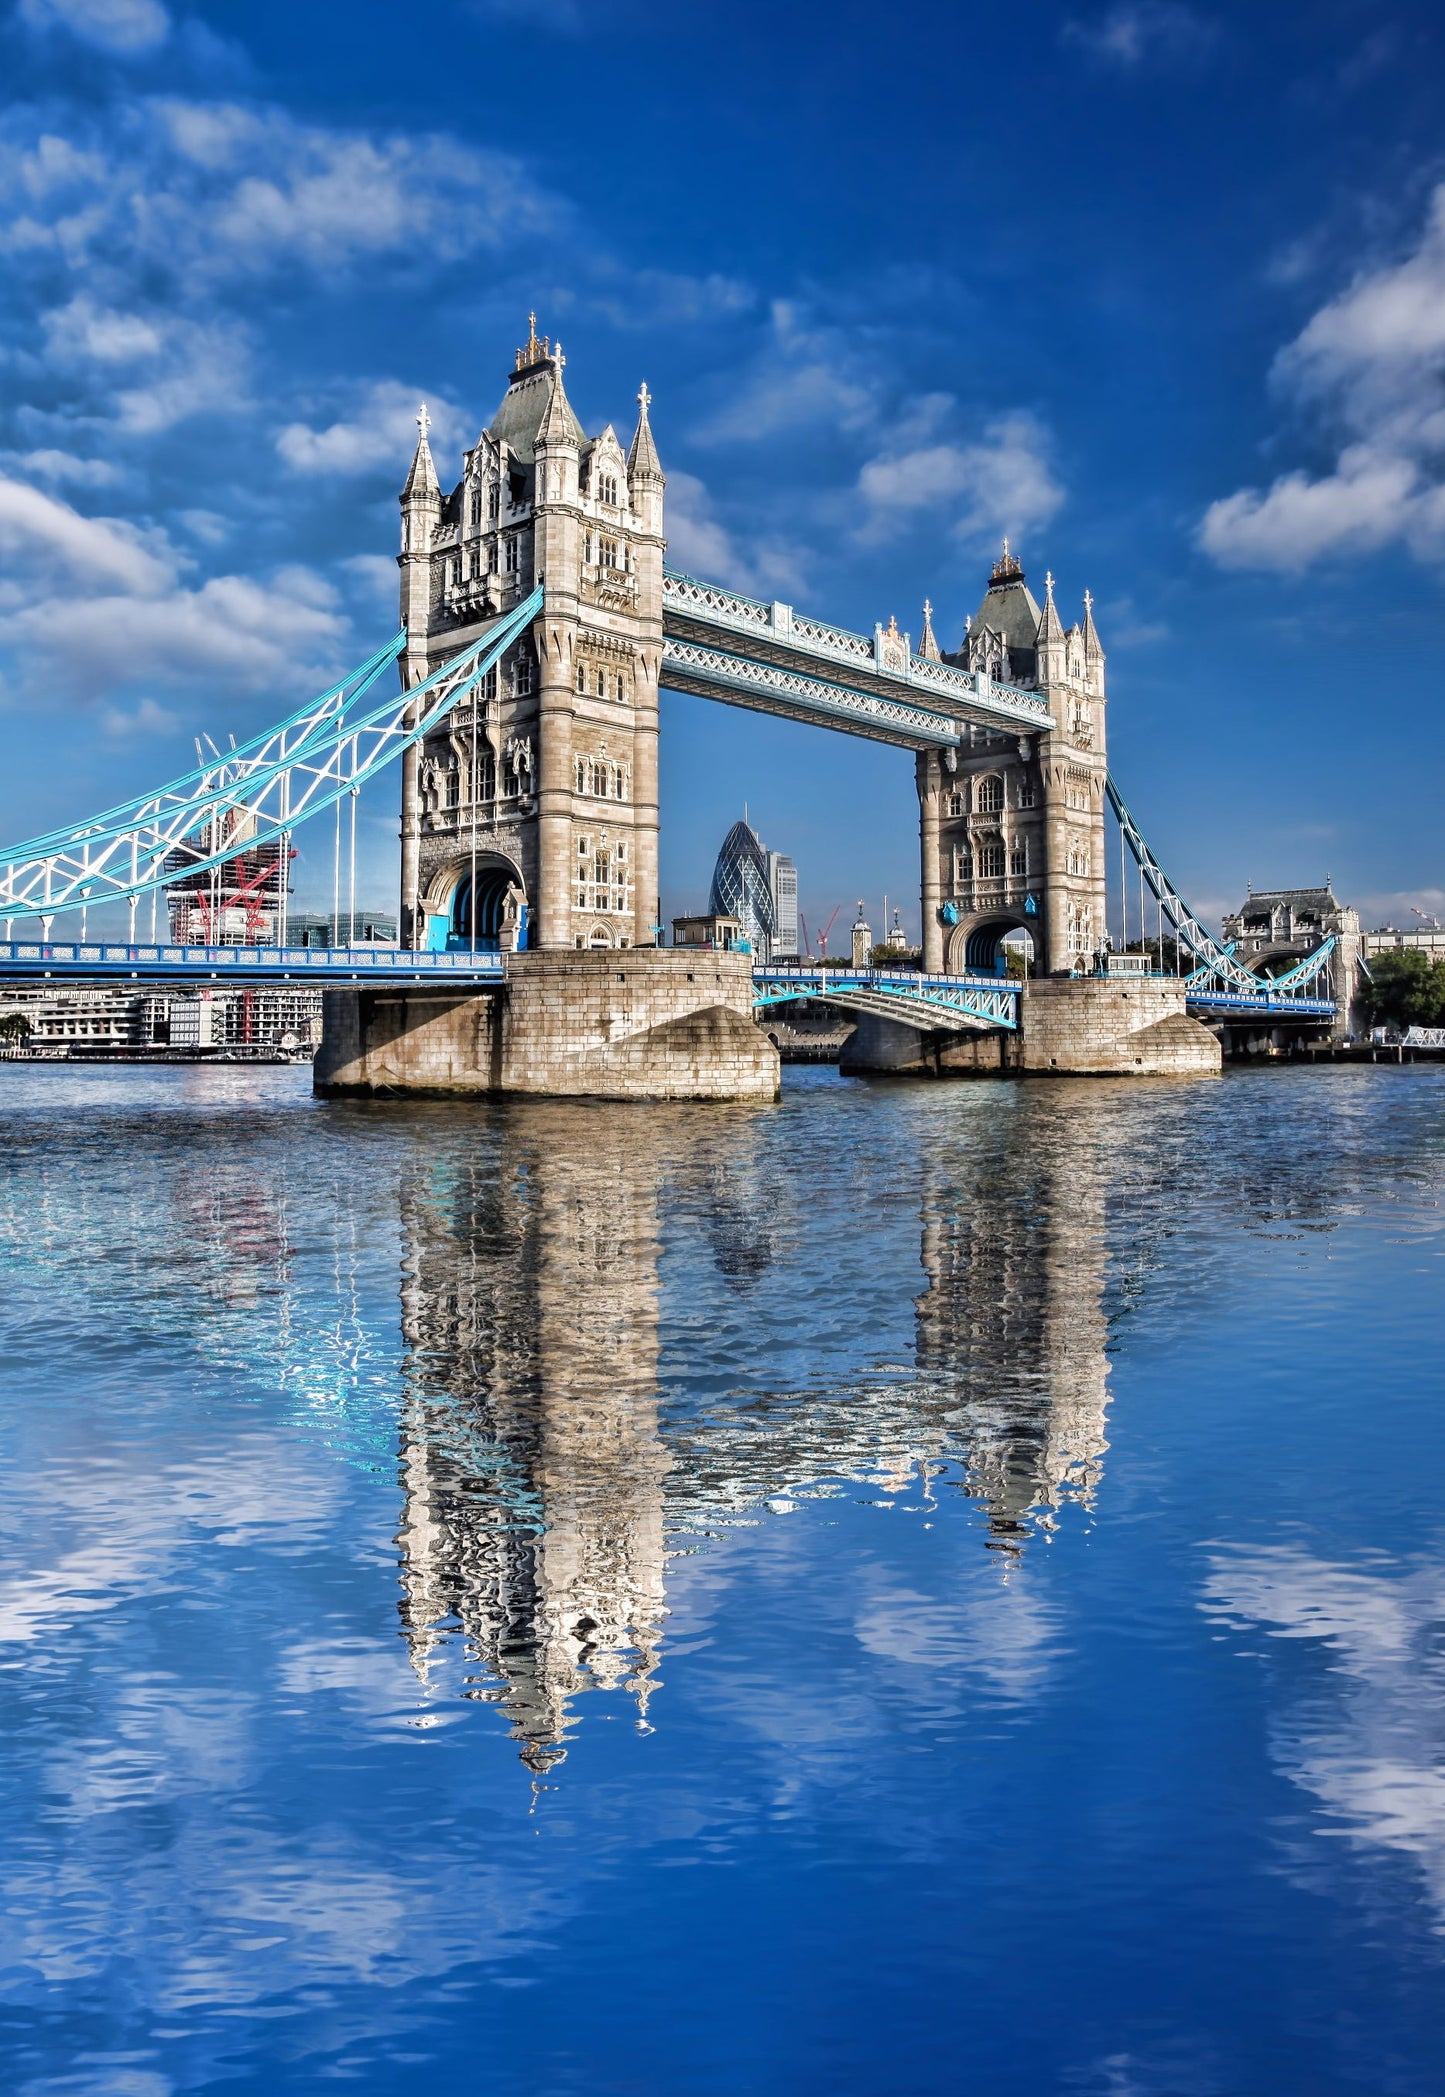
540	620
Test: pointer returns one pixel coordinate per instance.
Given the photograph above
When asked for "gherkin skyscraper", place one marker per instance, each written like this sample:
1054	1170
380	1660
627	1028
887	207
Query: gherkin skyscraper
760	889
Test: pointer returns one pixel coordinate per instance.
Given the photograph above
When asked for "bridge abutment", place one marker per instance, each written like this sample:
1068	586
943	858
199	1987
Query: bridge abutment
1068	1027
641	1024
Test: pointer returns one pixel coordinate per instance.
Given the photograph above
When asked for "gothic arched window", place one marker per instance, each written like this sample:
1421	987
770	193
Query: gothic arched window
990	794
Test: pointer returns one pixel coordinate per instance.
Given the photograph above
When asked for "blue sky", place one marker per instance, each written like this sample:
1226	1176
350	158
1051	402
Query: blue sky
1157	288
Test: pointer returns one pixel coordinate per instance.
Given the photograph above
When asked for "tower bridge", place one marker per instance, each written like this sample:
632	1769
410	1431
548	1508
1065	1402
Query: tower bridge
539	622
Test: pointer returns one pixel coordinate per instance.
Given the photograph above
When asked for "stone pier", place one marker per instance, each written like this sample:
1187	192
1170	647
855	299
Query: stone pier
1068	1027
638	1024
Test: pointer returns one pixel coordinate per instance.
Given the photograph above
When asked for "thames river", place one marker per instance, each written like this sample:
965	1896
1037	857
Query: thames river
921	1588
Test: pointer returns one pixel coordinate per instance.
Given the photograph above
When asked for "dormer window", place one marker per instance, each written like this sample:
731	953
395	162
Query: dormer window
494	501
607	488
476	510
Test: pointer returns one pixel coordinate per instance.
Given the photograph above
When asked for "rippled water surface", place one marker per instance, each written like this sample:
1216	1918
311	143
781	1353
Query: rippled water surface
918	1589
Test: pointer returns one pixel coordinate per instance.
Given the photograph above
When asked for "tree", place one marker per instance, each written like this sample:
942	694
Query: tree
14	1026
1406	989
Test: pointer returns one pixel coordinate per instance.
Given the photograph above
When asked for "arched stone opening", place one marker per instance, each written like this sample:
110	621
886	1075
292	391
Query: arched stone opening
478	906
983	947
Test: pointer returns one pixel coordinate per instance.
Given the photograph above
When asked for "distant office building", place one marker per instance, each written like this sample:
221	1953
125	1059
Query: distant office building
367	928
264	1020
242	901
783	881
760	889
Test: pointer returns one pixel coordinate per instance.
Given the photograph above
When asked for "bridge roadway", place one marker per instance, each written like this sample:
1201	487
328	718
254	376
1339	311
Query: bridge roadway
772	659
954	1003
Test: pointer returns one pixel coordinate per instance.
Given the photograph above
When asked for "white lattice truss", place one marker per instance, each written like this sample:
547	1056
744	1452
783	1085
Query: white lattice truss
742	629
690	666
254	793
1218	971
956	1004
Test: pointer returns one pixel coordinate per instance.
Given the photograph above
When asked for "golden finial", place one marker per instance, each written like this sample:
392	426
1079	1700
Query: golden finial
534	352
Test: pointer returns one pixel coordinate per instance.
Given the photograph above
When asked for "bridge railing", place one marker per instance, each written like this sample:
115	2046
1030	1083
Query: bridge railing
715	606
71	959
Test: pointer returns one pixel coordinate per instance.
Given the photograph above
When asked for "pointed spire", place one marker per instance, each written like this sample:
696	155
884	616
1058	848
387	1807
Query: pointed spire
1050	645
559	425
642	460
421	482
928	646
1093	646
1051	627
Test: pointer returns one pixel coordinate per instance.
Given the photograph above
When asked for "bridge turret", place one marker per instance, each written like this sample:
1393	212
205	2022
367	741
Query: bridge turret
1094	657
1052	646
644	469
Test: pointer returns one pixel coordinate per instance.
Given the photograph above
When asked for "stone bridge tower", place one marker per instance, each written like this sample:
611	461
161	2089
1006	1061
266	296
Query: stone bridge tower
529	817
1012	830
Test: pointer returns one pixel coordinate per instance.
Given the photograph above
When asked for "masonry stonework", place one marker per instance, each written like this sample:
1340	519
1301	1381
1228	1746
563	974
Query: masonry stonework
1011	827
1079	1027
634	1025
529	815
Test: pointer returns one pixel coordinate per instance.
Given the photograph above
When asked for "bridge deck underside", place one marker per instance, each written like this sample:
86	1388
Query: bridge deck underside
771	675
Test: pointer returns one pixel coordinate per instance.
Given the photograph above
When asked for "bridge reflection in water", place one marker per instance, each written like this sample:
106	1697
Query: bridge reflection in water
551	1459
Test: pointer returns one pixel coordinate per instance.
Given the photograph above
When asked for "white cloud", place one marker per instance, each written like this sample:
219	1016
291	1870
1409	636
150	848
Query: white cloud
1361	506
1371	1746
1144	35
801	380
1371	364
65	466
193	192
252	634
118	26
96	604
376	574
1403	908
180	367
46	535
698	542
660	297
1001	483
381	432
146	718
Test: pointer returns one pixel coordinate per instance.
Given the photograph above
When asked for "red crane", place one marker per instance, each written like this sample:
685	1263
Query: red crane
823	935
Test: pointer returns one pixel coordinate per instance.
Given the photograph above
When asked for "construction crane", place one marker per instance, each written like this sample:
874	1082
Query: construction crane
823	935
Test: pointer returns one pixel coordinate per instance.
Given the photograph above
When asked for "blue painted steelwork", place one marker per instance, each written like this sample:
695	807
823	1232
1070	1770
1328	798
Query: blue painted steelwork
773	659
1220	983
956	1002
802	695
278	780
108	960
1242	1005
